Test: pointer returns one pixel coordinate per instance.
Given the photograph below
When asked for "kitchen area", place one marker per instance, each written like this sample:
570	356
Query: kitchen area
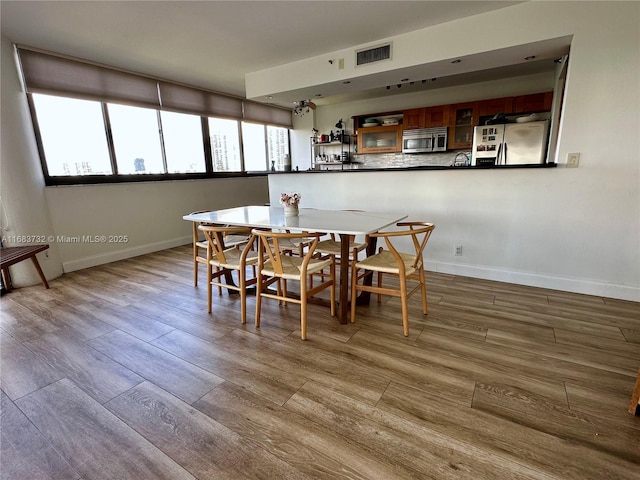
469	134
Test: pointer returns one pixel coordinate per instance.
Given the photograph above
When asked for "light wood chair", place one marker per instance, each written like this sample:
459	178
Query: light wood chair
391	262
200	249
227	259
275	266
201	255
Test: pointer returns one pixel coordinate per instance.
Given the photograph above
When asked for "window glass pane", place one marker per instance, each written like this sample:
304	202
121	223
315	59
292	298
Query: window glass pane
253	143
278	146
73	136
225	145
182	142
136	139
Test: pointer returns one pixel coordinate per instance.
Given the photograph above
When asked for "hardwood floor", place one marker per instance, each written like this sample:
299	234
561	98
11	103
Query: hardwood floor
118	372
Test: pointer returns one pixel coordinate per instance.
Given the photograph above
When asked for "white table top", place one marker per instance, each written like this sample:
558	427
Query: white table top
309	220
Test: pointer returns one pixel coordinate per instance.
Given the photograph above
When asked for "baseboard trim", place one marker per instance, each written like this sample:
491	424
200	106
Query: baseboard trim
574	285
95	260
587	287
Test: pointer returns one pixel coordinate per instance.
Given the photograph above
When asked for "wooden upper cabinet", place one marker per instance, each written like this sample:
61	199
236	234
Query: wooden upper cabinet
380	139
426	117
537	102
413	119
463	117
495	106
436	116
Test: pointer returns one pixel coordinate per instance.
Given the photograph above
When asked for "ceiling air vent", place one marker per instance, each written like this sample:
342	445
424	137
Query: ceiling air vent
375	54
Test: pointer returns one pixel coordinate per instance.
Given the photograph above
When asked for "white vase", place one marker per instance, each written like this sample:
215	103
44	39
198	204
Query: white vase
291	211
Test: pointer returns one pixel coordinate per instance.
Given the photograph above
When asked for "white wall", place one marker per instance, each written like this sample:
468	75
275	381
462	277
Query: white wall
149	214
23	207
570	229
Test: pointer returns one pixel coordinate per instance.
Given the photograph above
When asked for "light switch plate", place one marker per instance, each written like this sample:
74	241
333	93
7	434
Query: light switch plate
573	160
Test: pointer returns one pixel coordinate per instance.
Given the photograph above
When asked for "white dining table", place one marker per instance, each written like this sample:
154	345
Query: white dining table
345	223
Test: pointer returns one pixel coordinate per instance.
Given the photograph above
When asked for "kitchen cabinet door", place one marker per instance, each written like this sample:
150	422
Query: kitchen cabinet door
463	117
413	119
537	102
380	139
494	106
437	116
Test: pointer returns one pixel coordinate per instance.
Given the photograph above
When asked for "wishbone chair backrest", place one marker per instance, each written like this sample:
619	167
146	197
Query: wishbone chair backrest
269	245
419	233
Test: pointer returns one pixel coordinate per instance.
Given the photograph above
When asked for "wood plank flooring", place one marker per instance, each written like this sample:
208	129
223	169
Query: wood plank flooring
117	372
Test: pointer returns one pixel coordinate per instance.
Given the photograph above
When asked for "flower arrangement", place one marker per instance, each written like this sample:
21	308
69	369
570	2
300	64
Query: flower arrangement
290	199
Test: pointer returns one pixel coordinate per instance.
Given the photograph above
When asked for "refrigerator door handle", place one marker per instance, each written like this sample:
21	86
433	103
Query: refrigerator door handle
498	154
505	153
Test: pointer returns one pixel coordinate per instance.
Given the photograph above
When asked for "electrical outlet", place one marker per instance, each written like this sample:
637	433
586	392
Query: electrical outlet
457	250
341	64
573	159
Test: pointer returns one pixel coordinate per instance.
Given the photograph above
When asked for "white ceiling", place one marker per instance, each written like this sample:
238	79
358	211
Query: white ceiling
213	44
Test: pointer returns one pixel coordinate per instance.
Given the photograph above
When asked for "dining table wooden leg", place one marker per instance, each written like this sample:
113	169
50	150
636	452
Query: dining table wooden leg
343	306
365	297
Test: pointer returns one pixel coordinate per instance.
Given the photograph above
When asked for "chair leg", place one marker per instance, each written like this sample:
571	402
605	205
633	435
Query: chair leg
195	268
354	280
209	294
219	287
405	309
303	316
284	292
332	273
423	288
260	286
379	286
242	281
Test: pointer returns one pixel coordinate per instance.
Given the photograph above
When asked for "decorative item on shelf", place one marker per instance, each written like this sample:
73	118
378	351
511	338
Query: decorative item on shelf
290	202
314	132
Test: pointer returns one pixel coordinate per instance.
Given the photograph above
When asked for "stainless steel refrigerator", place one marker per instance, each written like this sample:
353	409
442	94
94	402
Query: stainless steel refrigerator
510	144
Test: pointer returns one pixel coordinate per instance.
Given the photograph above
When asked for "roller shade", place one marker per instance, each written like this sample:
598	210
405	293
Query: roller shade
50	74
259	112
180	98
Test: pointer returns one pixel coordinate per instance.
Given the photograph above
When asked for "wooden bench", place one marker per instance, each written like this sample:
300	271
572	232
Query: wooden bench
12	255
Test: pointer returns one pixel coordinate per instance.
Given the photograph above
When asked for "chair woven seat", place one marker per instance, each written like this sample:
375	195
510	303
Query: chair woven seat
292	267
232	259
332	247
385	262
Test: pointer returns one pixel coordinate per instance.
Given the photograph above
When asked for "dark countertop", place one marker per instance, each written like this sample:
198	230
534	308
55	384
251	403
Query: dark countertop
424	167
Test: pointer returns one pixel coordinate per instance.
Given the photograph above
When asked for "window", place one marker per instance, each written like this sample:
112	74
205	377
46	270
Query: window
136	139
277	146
73	136
130	127
147	142
253	143
225	145
183	145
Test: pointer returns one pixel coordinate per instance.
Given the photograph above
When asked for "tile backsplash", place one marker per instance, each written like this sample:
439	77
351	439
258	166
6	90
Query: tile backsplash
403	160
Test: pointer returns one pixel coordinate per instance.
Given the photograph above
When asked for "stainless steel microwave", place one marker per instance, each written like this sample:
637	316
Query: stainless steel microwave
424	140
